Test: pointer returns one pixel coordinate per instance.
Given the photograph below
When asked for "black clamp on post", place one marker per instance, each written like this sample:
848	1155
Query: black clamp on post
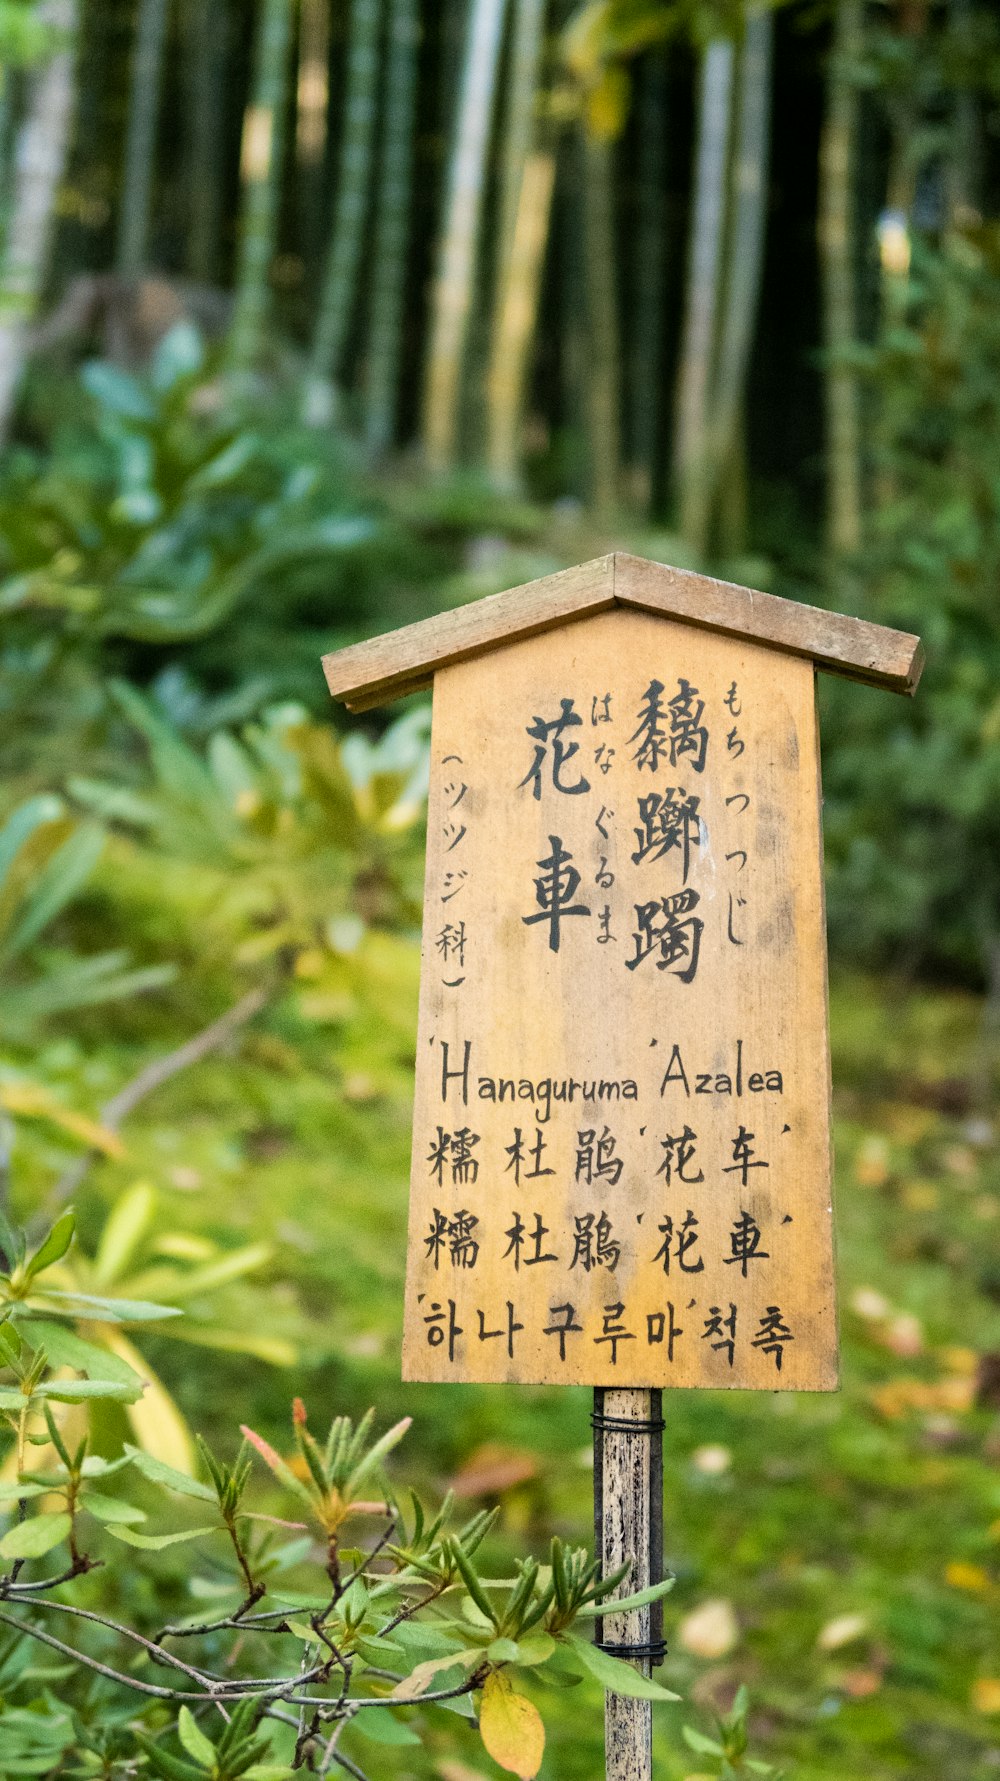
654	1649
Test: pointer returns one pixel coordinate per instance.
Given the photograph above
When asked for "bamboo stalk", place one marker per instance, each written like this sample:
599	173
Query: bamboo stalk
522	99
517	315
745	243
340	279
645	356
261	159
140	138
205	30
392	228
451	303
698	341
40	157
602	374
312	105
836	244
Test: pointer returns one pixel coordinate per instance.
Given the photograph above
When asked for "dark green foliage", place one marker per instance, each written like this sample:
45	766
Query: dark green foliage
914	792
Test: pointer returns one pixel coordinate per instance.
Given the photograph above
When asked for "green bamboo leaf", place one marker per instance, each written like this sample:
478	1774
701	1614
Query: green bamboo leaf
614	1675
32	1539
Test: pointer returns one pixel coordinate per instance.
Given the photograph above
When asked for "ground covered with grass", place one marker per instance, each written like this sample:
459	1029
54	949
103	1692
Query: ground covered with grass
840	1554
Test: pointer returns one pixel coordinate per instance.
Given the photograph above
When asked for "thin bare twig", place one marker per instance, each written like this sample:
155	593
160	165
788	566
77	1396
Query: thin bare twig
201	1045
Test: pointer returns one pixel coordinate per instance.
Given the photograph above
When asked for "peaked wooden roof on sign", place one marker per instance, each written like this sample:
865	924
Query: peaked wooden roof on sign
403	661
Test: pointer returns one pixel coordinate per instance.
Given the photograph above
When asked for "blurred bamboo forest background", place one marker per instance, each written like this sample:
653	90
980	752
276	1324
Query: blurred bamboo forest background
480	284
317	316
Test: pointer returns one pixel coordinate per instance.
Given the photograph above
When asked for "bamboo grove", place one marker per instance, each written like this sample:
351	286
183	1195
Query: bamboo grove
543	242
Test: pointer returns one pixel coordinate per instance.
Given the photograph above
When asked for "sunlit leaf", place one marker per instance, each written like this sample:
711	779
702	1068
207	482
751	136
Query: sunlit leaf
511	1727
614	1674
194	1740
32	1539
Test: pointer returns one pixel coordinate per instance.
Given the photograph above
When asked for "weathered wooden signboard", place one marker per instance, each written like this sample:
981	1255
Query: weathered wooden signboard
621	1158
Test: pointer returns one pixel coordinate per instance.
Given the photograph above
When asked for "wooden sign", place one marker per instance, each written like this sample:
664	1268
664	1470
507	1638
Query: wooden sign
621	1165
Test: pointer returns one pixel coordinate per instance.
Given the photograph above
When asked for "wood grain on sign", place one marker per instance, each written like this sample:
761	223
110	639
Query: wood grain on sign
621	1154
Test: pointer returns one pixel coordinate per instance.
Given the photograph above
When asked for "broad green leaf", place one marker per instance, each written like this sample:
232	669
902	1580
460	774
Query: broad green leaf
535	1648
502	1651
116	391
159	1542
420	1679
382	1727
111	1508
696	1740
194	1740
33	1101
621	1604
511	1727
58	881
76	1391
11	1491
179	354
130	1218
159	1472
31	1539
23	822
618	1677
11	1398
101	1310
55	1245
64	1348
384	1652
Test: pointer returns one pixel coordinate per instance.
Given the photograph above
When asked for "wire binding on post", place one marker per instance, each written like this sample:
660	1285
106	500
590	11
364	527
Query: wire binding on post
622	1425
653	1649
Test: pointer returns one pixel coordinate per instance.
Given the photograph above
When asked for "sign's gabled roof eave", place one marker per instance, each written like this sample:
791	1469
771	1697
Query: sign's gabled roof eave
404	661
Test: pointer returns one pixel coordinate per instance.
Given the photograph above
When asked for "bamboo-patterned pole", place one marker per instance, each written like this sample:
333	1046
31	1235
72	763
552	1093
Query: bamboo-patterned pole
628	1507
